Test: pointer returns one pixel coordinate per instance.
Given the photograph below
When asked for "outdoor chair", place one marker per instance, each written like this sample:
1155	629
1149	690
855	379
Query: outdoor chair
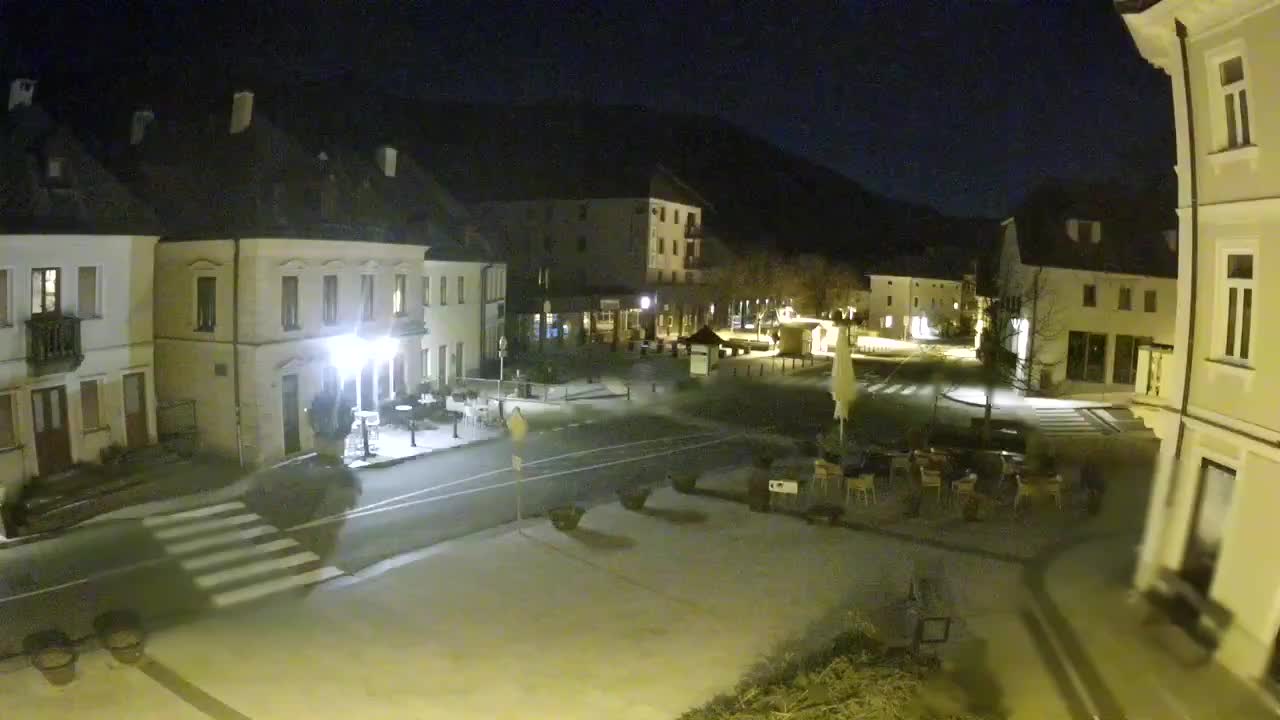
931	479
1051	486
864	486
825	473
899	464
1008	469
964	487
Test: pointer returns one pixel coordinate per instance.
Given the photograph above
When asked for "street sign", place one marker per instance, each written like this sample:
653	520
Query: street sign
517	425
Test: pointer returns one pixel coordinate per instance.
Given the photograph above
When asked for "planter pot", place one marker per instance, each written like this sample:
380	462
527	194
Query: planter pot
971	511
684	482
330	448
633	498
566	518
53	654
121	634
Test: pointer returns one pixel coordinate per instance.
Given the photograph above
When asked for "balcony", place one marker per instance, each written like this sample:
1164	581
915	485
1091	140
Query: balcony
53	344
693	231
1155	380
693	262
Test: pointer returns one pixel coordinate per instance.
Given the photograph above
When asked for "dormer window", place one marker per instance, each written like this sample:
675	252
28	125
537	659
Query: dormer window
1085	231
55	169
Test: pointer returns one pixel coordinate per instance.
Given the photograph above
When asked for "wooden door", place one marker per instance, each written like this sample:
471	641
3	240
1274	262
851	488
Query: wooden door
49	422
135	410
289	407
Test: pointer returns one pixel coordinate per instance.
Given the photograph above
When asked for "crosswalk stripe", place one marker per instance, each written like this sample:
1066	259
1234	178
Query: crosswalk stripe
892	389
223	557
205	526
877	387
212	541
275	585
908	390
162	520
253	569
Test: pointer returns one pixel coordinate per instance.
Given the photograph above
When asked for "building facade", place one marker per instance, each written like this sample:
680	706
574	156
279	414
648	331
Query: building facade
589	269
1077	325
76	253
909	307
1209	526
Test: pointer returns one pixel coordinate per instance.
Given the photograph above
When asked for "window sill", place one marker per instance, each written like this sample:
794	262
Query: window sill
1231	366
98	429
9	449
85	318
291	328
1235	154
202	330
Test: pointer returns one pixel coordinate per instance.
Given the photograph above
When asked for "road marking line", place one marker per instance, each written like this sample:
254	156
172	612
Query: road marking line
161	520
361	512
207	525
876	388
275	585
225	556
499	471
226	538
892	389
261	567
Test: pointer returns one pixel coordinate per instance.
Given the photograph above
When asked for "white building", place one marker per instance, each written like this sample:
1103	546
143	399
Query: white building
283	258
584	260
907	306
76	249
1211	527
1089	276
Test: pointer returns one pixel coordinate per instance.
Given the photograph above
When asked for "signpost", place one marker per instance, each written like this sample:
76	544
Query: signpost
502	359
519	428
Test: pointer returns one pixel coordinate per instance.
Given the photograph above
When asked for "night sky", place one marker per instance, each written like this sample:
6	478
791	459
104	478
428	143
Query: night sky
961	104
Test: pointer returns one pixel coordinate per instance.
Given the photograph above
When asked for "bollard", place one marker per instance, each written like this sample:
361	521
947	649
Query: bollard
653	387
455	426
53	654
628	391
120	632
735	371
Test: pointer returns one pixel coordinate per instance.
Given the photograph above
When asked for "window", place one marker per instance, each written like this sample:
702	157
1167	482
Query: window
659	276
546	243
1149	301
692	218
662	245
915	302
889	301
426	363
662	214
289	302
1239	305
462	297
330	298
1235	101
366	297
87	297
1126	299
582	243
8	431
56	168
398	294
46	290
457	361
1086	356
582	211
1090	296
426	291
90	416
6	315
444	290
675	216
206	304
544	277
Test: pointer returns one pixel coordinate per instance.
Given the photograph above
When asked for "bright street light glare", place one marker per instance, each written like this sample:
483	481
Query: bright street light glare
347	353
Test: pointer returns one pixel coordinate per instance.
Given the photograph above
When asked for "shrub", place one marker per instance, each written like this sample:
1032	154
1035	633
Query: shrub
331	416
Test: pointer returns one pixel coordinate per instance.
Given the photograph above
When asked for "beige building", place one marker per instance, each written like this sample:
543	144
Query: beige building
1088	276
291	268
912	306
1210	528
76	252
578	264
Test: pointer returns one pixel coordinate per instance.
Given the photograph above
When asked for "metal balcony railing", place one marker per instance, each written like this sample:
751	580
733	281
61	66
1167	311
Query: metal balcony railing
53	344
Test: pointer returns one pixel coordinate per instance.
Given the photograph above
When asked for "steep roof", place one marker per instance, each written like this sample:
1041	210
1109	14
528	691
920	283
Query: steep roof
84	198
942	263
1133	226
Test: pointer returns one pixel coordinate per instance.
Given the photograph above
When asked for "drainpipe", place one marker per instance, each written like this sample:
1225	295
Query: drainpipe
235	344
1195	254
484	304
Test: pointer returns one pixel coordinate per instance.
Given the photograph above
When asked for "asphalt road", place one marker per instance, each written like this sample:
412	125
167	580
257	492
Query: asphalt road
332	522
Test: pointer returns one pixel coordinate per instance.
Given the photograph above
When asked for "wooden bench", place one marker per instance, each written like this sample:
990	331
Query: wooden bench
932	606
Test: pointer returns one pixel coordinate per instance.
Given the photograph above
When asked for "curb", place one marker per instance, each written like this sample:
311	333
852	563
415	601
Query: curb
392	462
968	403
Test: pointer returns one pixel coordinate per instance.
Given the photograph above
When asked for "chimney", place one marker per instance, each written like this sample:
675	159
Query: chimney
138	128
21	91
241	111
387	160
1171	239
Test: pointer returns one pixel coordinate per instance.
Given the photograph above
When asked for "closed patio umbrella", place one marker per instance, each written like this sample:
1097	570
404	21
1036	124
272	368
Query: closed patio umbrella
844	387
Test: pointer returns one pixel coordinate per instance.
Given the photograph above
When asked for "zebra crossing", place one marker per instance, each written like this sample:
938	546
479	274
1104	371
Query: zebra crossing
1068	421
234	555
870	383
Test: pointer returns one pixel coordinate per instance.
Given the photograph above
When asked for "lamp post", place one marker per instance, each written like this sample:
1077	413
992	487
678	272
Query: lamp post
502	358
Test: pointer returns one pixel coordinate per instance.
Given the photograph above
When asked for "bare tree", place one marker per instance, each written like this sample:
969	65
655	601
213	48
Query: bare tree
1015	326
